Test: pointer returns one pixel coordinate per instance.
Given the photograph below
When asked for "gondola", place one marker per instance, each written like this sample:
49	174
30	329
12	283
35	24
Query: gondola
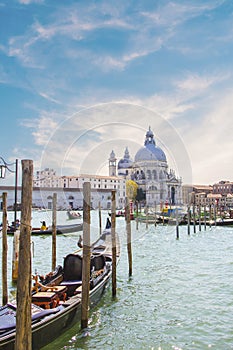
56	299
60	229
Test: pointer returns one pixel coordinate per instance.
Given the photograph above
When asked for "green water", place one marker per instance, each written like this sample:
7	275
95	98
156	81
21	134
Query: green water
179	297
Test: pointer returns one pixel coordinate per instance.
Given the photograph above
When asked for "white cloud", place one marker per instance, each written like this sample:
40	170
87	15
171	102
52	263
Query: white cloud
49	98
196	82
173	13
27	2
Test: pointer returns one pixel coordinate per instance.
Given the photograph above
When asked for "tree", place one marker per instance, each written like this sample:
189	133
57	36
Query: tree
131	189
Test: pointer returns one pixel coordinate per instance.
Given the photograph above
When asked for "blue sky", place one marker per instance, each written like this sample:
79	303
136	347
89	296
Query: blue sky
80	78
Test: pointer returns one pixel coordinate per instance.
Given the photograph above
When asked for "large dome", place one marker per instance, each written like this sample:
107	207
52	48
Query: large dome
150	151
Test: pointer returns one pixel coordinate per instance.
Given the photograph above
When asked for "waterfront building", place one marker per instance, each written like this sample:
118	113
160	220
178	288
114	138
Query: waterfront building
218	195
150	171
195	193
223	187
72	187
69	190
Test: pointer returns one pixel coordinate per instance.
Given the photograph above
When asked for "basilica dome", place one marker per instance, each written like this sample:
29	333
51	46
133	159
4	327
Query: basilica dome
150	151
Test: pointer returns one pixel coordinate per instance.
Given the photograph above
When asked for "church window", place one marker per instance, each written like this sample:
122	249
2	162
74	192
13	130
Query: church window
155	177
148	174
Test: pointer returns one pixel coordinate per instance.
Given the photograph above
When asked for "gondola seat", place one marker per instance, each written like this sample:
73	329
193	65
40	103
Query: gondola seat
45	299
72	277
97	262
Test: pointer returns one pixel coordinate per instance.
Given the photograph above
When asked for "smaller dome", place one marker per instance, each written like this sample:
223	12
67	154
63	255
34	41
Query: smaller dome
112	156
126	161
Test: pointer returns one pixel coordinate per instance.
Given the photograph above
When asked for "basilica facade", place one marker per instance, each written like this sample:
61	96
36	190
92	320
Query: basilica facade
150	171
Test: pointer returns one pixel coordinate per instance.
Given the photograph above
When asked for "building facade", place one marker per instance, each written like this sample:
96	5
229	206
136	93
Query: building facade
150	171
223	188
72	188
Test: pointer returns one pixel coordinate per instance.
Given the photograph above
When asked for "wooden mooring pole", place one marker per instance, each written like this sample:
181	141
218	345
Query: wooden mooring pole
15	256
215	215
128	230
177	224
4	249
23	338
210	215
136	215
194	219
54	232
86	254
199	217
113	234
188	217
100	219
205	217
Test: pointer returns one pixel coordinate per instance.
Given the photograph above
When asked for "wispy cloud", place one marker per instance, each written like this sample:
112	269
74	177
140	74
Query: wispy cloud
196	82
174	13
27	2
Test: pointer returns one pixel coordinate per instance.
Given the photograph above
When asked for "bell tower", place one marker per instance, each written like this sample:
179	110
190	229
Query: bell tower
112	164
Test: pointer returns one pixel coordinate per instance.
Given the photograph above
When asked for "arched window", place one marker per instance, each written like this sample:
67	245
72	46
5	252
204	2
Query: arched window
161	175
173	195
155	176
148	174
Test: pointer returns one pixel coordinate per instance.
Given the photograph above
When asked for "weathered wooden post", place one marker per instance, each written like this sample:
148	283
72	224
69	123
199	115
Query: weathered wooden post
4	249
86	254
54	232
155	215
100	219
194	219
210	215
23	313
199	216
136	215
15	255
205	217
113	234
136	208
128	230
215	215
177	224
188	217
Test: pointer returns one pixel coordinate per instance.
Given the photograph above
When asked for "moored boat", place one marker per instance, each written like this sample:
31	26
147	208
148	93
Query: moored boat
56	299
119	213
73	214
60	229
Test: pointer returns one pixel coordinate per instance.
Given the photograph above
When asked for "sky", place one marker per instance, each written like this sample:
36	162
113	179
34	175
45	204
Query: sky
79	79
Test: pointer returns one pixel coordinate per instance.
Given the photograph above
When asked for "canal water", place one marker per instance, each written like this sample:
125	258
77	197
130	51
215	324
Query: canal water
179	297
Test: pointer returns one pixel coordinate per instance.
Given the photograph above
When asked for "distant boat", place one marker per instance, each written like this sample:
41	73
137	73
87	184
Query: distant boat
73	214
61	229
119	213
221	222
